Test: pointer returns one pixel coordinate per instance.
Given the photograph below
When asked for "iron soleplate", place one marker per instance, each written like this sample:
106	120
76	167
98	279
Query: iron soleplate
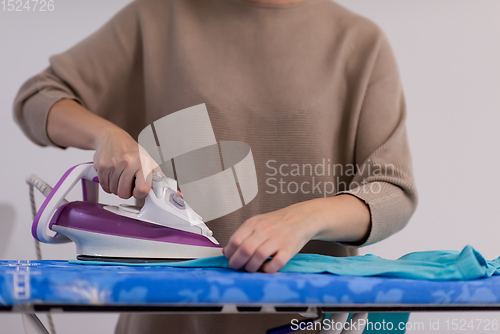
127	259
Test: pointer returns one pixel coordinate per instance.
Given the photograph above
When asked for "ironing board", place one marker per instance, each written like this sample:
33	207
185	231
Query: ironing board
39	286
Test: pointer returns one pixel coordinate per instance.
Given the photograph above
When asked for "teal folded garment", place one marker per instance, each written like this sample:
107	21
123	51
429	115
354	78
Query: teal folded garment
428	265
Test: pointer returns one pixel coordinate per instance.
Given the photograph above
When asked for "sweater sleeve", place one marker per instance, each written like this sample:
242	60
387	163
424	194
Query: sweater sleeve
384	177
102	72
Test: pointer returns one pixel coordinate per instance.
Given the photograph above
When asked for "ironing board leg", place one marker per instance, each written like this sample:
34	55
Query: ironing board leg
356	319
340	318
34	324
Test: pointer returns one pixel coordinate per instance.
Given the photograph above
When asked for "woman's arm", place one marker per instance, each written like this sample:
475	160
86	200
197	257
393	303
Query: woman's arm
283	233
117	158
69	124
100	74
377	204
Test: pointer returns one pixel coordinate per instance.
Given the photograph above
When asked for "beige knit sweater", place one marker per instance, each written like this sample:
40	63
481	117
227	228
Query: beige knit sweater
312	88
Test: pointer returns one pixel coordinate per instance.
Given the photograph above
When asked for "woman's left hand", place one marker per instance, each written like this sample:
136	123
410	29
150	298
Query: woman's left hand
280	234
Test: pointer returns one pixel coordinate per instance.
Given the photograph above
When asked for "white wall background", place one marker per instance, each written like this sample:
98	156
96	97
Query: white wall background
448	52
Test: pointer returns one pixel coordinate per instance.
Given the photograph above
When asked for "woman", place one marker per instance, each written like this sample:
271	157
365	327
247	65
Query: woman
303	82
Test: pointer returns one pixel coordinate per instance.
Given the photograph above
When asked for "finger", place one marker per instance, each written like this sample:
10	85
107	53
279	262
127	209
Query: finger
114	179
126	183
103	175
246	250
261	254
278	261
141	188
147	176
156	168
148	164
243	232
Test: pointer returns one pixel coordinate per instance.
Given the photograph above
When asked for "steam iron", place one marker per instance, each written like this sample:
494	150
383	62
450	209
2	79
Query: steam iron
166	228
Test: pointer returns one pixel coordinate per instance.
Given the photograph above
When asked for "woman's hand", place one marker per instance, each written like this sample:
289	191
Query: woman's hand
282	234
123	167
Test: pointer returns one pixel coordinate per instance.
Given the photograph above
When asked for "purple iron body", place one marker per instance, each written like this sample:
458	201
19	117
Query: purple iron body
166	228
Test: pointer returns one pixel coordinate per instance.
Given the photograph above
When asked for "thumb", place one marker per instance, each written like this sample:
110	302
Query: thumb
142	187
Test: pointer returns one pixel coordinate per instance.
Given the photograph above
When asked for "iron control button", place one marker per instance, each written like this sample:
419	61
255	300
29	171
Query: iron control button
178	199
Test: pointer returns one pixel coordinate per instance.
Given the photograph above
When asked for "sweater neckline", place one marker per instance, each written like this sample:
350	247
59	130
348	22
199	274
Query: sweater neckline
276	6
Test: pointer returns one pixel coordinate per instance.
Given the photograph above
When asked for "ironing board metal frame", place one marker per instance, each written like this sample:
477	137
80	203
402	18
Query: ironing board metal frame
311	294
31	308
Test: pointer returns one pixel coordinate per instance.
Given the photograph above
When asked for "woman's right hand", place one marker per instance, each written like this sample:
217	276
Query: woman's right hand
123	167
